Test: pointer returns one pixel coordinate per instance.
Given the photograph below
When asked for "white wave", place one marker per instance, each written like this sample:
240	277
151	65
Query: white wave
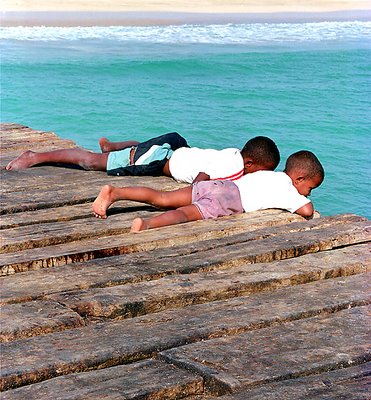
217	34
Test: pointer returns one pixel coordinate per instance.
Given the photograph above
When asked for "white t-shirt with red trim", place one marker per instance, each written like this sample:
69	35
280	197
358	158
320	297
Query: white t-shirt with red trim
187	162
269	189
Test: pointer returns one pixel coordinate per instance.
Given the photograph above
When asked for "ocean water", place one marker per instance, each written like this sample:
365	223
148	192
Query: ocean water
307	86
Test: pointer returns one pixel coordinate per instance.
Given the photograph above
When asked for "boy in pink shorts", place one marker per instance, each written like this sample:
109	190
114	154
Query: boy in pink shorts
211	199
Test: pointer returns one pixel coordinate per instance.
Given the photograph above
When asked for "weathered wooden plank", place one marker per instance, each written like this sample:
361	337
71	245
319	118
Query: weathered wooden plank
50	233
300	239
16	139
144	267
46	234
107	344
5	127
35	318
38	178
150	379
54	232
14	142
9	204
22	138
12	149
295	349
351	383
181	290
35	193
166	237
26	218
17	134
17	131
46	338
66	213
35	179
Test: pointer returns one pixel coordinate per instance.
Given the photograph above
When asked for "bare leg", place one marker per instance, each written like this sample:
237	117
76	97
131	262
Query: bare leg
173	217
110	194
106	145
84	158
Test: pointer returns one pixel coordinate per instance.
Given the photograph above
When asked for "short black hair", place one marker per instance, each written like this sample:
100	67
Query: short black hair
307	162
263	151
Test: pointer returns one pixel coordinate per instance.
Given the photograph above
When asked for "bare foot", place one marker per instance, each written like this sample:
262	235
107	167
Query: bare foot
105	145
102	202
23	161
139	224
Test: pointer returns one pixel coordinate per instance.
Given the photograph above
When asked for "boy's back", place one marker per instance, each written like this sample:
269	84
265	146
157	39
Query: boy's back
259	153
187	162
269	189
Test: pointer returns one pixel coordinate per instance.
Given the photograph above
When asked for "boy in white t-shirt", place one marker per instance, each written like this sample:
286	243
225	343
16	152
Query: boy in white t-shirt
211	199
193	164
168	155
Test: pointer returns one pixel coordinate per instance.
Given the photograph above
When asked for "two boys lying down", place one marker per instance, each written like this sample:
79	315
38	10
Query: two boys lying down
223	182
255	187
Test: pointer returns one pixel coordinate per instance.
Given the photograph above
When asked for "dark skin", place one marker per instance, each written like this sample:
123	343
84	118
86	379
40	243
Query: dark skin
300	180
180	202
304	185
98	161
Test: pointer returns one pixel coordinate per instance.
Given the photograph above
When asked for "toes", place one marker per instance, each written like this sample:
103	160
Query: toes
96	215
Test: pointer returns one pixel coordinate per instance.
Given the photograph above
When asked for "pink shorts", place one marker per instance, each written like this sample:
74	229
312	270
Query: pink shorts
216	198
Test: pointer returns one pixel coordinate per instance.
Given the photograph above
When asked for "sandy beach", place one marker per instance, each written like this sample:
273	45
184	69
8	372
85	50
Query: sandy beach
157	12
201	6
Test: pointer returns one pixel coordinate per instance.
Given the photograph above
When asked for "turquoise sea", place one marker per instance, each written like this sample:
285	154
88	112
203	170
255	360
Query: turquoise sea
307	86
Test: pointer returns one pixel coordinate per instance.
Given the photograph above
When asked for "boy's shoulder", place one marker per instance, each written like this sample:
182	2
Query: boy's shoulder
210	149
264	177
200	152
266	174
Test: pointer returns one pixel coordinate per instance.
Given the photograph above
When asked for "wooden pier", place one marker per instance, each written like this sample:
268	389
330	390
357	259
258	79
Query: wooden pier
256	306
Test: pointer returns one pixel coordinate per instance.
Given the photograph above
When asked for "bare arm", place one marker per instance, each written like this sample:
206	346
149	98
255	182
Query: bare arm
201	177
306	211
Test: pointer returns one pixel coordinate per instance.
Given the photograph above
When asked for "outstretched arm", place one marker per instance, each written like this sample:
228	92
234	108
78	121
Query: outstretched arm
306	211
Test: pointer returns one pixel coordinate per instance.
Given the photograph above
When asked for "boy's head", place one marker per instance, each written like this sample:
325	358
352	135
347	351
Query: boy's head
305	171
260	153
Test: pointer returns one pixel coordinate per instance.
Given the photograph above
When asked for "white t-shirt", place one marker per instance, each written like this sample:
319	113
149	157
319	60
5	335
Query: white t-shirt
269	189
187	162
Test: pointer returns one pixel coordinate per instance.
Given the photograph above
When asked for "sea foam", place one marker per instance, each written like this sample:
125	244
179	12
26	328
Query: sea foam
214	34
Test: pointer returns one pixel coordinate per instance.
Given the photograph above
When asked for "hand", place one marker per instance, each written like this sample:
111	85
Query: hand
201	177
